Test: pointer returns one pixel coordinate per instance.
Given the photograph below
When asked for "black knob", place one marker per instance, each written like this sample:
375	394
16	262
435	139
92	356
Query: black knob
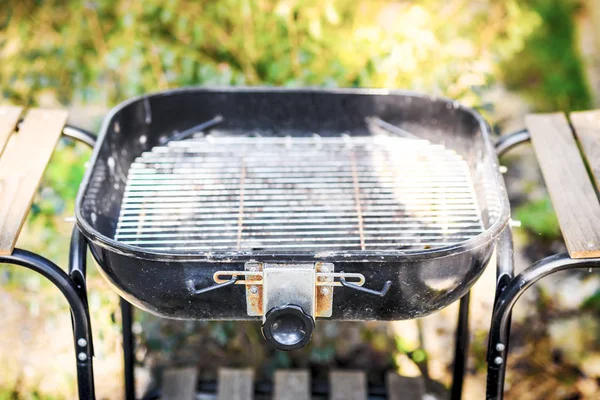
288	327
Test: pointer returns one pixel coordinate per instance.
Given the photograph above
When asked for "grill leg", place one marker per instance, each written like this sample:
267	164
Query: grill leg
79	313
504	274
506	299
461	347
497	366
128	349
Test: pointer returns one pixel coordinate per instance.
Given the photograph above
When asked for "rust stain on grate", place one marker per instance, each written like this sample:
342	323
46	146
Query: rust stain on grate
361	231
240	223
226	193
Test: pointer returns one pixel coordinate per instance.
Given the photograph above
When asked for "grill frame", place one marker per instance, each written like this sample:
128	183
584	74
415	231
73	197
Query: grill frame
422	281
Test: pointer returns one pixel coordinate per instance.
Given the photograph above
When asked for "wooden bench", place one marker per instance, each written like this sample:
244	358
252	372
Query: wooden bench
573	194
23	159
238	384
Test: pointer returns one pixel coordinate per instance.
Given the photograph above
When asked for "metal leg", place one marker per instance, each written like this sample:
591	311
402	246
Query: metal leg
500	328
79	313
128	349
505	273
504	276
461	348
77	270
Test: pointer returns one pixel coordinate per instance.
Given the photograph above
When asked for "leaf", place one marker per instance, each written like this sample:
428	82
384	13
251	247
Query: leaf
592	303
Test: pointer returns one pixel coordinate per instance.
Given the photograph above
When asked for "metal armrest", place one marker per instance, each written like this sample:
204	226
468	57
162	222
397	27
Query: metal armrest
511	140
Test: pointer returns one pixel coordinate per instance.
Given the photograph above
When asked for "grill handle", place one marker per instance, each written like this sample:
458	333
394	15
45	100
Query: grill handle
343	282
196	292
511	140
74	133
379	293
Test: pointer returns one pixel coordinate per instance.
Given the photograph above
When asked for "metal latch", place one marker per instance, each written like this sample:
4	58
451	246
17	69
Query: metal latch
253	279
322	278
308	285
290	296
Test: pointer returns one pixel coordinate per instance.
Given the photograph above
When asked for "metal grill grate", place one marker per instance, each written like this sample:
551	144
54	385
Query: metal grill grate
315	193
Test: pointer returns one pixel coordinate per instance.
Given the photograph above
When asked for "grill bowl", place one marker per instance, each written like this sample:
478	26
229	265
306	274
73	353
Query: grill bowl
424	279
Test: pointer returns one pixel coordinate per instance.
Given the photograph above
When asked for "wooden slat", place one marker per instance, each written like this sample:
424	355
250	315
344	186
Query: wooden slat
235	384
21	168
348	385
292	385
573	196
9	116
404	388
587	129
179	384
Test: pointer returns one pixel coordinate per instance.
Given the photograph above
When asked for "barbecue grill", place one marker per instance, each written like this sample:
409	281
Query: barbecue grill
289	206
292	205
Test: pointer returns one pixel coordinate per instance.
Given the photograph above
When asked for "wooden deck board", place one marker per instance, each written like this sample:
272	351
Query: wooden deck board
403	387
348	385
179	384
235	384
21	168
572	193
238	384
292	385
586	125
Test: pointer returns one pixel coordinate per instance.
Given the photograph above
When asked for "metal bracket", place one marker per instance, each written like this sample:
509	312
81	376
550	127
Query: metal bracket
307	285
289	284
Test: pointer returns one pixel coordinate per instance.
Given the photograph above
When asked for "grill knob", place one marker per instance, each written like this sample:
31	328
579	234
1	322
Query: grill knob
288	327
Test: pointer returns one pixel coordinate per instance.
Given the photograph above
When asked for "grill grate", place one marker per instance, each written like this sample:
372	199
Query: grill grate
298	193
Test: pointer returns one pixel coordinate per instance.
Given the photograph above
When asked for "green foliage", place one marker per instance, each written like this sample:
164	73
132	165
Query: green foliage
106	51
478	349
548	70
417	355
539	217
592	303
14	395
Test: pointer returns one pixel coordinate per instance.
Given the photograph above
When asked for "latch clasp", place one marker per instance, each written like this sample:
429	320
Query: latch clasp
309	286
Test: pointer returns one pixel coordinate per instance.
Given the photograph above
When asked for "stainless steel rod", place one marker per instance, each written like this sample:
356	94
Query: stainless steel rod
238	193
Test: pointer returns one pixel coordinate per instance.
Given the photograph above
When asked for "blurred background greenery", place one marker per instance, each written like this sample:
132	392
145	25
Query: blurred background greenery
503	57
